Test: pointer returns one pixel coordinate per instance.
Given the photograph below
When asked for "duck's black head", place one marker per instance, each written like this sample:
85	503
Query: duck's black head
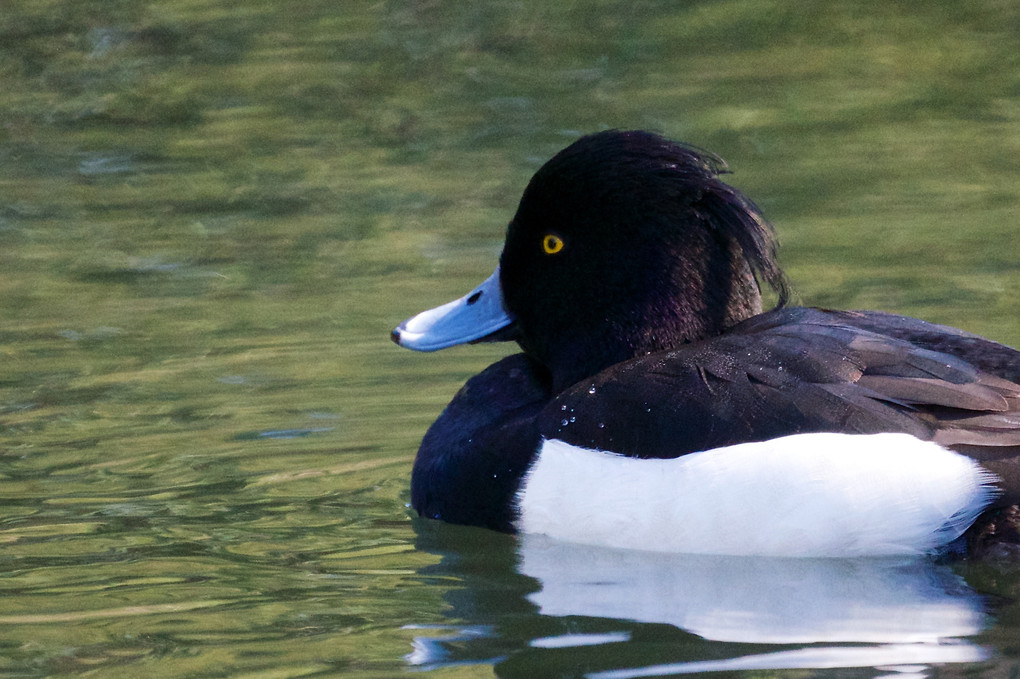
624	243
627	243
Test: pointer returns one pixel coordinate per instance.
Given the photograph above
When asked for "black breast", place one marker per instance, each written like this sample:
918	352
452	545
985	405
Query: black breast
472	459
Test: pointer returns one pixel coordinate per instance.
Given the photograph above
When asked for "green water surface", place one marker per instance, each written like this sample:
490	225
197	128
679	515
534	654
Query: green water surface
213	213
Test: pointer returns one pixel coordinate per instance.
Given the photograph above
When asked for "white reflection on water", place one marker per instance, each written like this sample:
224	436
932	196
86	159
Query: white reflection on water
910	611
756	600
574	640
429	652
535	606
899	660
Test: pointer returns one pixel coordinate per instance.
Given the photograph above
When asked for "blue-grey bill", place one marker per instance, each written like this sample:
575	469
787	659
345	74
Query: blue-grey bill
474	316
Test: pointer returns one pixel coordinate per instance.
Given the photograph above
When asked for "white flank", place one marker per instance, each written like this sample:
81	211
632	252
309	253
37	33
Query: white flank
808	495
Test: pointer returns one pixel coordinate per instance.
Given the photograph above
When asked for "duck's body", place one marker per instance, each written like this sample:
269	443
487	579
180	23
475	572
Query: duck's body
629	279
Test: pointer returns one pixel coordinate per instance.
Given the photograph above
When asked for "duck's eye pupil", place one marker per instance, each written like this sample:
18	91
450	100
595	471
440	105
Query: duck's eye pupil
552	244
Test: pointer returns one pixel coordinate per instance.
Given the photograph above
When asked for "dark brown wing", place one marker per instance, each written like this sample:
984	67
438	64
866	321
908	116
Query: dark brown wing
796	371
984	354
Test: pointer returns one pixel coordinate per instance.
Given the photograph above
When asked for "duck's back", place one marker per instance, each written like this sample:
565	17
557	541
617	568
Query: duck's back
984	354
802	370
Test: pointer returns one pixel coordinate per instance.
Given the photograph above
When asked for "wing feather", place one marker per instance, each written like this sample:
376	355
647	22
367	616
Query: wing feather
794	371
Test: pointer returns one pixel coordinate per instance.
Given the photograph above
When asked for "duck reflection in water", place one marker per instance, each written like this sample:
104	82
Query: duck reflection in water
532	605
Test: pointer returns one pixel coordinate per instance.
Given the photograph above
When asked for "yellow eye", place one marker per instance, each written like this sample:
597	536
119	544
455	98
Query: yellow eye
552	244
